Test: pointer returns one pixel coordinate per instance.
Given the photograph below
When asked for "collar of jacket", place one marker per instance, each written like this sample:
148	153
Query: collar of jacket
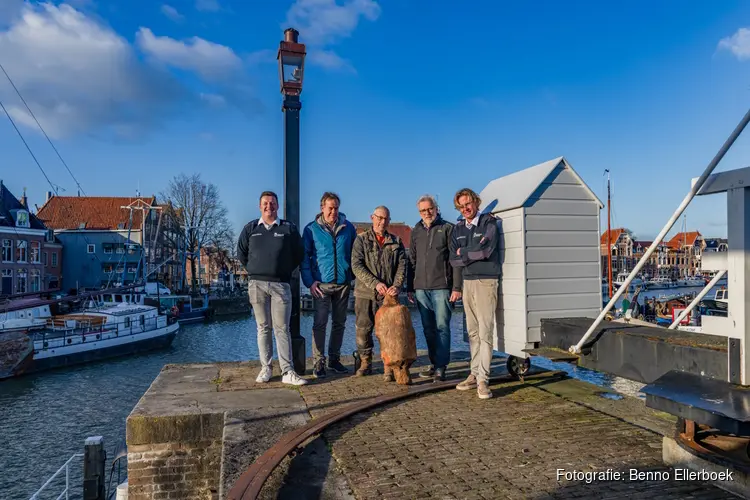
437	222
389	238
340	222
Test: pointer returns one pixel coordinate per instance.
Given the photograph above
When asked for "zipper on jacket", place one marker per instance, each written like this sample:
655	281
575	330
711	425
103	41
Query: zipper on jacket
335	260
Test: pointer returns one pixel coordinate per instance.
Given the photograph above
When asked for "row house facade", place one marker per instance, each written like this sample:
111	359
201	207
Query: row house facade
620	252
677	258
30	255
111	241
685	251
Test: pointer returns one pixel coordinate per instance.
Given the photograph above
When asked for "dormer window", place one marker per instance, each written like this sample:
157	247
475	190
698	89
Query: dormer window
22	218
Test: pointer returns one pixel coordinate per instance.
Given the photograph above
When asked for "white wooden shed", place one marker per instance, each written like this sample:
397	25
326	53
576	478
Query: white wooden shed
548	219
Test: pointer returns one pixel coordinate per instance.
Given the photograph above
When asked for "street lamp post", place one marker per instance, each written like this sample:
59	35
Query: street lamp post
291	58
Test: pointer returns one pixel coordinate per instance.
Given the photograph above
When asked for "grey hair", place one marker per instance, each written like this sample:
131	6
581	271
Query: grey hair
382	207
427	197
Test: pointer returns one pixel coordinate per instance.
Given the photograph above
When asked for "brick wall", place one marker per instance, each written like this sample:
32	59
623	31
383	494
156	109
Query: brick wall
174	470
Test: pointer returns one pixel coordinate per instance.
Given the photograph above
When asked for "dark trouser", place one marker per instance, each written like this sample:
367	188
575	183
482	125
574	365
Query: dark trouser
435	311
335	301
365	310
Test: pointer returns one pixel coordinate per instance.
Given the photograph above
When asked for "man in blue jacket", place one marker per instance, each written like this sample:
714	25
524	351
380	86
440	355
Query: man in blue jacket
327	271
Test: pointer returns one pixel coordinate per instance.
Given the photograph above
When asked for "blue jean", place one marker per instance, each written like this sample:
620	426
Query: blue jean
435	310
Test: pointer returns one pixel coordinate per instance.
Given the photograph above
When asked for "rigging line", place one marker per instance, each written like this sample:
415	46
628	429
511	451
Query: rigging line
41	128
27	147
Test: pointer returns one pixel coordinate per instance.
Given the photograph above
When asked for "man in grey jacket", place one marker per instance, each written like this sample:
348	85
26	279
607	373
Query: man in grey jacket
436	282
379	265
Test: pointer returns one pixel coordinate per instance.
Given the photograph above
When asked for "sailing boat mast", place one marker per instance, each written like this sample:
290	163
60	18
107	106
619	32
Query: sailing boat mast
609	239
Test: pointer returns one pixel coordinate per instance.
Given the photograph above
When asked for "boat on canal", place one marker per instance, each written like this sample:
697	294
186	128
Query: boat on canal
101	332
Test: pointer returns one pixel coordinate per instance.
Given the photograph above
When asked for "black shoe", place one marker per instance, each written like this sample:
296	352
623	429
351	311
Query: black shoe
439	375
428	373
337	367
319	370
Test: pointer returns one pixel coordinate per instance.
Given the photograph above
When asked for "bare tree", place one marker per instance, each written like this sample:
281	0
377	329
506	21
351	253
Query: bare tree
197	210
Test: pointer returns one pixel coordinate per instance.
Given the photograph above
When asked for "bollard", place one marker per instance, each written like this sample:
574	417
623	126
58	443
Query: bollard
93	468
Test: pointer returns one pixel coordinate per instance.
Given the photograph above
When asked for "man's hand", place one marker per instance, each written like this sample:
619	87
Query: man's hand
381	288
410	296
458	251
454	296
315	290
392	291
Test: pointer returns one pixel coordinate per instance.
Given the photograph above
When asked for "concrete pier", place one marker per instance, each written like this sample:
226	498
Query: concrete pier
198	427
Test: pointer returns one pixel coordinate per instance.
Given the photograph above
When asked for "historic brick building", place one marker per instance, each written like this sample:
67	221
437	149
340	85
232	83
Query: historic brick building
30	255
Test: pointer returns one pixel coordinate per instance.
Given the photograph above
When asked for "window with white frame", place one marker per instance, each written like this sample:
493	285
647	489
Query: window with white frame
21	250
22	281
34	253
90	248
36	280
7	251
54	259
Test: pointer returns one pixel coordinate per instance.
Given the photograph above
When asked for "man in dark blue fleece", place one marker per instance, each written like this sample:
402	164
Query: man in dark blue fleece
475	249
271	249
326	270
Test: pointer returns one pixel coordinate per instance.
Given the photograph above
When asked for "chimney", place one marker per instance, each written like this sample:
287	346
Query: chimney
49	196
23	200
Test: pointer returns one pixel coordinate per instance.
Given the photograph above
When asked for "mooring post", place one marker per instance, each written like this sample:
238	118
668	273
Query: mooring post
93	468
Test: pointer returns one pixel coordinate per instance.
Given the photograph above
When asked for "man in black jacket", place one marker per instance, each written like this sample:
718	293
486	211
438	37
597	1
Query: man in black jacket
271	249
436	282
475	249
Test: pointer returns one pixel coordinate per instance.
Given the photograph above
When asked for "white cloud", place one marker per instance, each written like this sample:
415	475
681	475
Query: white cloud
215	100
77	75
211	60
207	5
738	44
322	23
81	77
172	13
325	21
329	59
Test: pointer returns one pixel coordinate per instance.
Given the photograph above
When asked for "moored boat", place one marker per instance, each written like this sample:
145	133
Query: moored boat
101	332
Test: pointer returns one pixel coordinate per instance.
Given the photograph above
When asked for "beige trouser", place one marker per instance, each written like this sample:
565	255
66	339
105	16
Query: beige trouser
480	303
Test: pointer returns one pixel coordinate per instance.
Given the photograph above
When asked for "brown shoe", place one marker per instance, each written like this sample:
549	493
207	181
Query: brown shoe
483	391
366	367
469	383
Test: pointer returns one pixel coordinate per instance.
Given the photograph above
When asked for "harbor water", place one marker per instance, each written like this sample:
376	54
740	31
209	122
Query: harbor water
45	417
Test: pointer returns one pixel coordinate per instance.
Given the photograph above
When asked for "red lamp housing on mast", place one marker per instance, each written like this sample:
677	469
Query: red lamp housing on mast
291	59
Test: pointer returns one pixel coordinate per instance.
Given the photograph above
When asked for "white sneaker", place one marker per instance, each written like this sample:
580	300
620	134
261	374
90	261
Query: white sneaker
292	378
265	375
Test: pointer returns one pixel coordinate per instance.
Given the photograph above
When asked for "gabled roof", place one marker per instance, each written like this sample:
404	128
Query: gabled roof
400	229
9	202
680	240
614	235
93	212
514	190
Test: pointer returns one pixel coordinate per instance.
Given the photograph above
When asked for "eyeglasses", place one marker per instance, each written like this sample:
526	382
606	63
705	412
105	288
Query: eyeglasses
427	210
465	206
379	217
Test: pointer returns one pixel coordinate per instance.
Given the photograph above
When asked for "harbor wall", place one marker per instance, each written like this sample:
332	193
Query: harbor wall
231	306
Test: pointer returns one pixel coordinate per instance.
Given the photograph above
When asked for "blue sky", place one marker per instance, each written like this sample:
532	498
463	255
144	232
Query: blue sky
401	98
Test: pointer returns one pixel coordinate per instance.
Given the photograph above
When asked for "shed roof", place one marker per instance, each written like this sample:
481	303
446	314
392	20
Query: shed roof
514	190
